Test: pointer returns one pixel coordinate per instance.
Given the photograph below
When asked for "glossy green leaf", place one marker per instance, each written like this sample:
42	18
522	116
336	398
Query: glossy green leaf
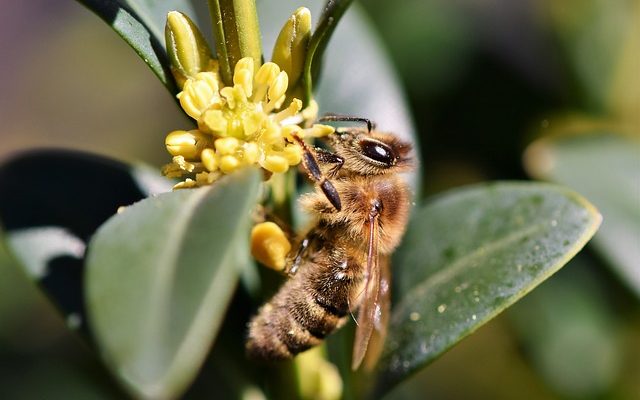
48	221
141	24
606	169
594	35
331	15
159	277
469	254
572	315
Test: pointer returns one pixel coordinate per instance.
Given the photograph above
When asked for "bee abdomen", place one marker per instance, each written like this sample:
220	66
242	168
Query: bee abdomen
297	318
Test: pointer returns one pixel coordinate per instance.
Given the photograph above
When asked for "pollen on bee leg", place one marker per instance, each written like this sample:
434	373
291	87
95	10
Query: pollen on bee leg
269	245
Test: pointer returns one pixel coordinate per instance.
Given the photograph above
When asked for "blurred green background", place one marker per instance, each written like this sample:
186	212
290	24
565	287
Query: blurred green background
484	80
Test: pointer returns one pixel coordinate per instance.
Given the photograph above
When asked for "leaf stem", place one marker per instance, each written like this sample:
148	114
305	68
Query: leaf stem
237	34
331	14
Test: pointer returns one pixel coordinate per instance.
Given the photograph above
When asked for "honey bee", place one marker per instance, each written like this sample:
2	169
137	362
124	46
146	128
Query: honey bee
360	209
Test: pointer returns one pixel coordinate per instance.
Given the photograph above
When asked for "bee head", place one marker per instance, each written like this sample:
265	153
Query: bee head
372	153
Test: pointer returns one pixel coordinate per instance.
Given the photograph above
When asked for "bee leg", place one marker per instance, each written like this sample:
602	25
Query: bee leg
311	165
301	254
327	157
293	268
348	118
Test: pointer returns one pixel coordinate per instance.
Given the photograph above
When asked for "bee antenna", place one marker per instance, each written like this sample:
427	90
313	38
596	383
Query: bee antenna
348	118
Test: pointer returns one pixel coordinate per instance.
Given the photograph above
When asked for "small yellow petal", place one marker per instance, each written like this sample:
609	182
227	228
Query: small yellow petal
199	93
213	121
269	245
229	95
235	127
252	122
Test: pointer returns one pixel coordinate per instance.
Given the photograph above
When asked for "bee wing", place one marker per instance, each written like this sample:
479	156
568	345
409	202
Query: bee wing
380	324
369	313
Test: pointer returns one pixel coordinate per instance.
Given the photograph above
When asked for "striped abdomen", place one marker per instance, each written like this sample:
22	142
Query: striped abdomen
308	307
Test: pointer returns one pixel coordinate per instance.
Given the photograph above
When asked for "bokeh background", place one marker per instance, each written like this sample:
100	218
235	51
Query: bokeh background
484	80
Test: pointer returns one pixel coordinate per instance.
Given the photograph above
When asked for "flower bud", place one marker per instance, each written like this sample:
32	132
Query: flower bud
188	144
290	49
188	51
213	121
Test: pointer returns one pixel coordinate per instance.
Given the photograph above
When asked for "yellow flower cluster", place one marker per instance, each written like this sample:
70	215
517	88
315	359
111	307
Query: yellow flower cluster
238	125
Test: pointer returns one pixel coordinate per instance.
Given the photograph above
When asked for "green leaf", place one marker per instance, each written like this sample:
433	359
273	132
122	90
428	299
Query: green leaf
606	169
331	15
572	315
159	277
469	254
593	35
141	24
48	221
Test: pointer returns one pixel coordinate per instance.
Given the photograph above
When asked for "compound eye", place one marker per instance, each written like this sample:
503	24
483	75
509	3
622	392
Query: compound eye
378	152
